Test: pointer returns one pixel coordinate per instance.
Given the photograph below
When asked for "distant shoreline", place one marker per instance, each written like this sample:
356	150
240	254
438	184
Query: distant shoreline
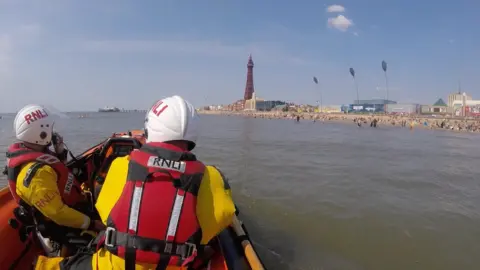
407	121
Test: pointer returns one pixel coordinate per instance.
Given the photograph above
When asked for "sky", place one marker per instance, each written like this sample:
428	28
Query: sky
83	55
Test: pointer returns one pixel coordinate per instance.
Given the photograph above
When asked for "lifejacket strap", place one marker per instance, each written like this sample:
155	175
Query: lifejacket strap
31	173
18	153
115	239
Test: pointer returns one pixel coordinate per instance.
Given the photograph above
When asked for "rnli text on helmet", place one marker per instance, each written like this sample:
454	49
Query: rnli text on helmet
34	116
155	107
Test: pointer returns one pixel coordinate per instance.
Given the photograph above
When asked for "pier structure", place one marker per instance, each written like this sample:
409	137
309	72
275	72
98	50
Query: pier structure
133	111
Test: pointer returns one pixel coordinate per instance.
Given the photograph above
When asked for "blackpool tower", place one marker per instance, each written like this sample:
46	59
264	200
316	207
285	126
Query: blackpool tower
249	86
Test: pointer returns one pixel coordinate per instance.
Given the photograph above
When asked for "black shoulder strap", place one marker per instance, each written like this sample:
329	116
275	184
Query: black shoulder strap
18	153
31	173
137	172
168	154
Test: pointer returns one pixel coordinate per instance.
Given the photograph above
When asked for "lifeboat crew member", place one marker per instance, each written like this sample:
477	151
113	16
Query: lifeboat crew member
38	178
160	204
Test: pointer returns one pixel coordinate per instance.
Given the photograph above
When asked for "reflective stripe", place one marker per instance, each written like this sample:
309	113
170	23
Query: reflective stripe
135	208
175	217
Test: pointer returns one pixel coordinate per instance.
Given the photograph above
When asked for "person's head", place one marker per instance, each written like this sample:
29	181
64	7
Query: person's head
172	119
33	126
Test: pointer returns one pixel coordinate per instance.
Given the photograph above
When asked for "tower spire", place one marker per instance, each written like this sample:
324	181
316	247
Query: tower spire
249	85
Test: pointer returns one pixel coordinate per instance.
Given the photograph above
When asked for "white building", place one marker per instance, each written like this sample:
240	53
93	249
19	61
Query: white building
464	105
251	104
456	98
459	103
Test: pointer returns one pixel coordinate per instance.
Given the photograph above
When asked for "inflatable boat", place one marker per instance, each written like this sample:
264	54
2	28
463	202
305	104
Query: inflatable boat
231	249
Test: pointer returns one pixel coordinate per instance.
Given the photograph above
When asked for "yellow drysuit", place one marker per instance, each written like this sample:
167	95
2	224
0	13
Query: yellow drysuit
43	194
215	211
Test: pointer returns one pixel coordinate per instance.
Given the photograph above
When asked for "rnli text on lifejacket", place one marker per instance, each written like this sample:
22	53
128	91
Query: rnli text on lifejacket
69	184
159	162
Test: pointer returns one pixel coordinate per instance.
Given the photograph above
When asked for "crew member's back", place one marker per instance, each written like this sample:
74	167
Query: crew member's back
160	204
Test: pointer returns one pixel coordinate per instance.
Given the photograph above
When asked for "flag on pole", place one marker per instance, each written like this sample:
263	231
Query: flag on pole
384	66
315	79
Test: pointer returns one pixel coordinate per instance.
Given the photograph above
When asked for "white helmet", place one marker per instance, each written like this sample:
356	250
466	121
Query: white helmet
171	119
34	124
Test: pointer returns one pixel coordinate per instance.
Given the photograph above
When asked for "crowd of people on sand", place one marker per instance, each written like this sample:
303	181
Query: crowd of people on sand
409	121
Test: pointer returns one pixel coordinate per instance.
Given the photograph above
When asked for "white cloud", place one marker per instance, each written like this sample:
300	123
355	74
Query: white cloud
355	34
335	8
340	22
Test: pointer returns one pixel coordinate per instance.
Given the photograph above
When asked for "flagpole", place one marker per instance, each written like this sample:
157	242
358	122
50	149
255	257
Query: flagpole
352	72
321	98
384	67
315	80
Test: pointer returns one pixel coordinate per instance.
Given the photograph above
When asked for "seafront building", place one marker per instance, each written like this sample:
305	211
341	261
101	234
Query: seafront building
438	108
458	104
367	105
463	105
403	108
457	97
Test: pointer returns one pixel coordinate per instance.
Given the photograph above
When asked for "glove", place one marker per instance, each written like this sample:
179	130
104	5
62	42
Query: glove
96	226
88	233
58	143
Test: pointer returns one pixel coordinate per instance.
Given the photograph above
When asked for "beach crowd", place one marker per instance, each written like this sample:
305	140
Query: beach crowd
371	120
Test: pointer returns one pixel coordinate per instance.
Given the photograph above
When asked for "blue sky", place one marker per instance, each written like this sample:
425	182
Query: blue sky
81	55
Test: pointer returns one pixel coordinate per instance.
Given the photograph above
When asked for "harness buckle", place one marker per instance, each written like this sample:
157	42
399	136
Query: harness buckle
109	235
168	248
190	250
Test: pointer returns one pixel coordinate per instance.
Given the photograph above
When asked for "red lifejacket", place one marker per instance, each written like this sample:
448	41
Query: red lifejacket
18	155
154	221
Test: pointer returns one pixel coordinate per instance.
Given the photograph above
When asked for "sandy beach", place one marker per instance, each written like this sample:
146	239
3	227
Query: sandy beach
405	121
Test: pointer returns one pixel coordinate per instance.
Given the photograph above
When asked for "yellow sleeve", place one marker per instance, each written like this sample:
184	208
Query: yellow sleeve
42	193
215	207
112	187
